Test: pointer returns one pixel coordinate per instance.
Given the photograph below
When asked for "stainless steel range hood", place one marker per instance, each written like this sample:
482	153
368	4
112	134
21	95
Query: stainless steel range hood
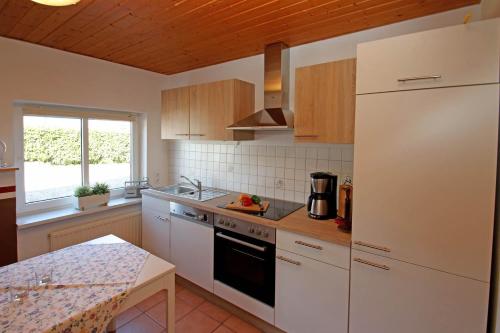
276	114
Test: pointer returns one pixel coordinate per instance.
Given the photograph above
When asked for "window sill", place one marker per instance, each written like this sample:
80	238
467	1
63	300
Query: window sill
40	218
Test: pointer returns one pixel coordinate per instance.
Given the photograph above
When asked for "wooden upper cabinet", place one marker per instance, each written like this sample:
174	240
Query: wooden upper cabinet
325	98
175	113
208	105
211	108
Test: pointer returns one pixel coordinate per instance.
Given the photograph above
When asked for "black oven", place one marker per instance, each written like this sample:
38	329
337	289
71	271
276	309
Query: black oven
244	258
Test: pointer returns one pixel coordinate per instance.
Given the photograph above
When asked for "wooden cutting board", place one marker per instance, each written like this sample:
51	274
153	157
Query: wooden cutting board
253	208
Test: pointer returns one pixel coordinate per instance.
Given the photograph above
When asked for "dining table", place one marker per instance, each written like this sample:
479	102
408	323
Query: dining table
82	288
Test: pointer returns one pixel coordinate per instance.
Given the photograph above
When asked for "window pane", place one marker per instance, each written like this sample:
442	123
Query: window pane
52	157
109	152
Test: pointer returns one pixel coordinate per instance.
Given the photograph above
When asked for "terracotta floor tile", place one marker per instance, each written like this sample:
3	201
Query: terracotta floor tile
178	288
196	322
127	316
152	301
240	326
158	312
223	329
190	297
214	311
142	324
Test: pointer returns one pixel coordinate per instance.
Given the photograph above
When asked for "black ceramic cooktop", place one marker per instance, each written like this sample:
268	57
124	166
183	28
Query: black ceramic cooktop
277	210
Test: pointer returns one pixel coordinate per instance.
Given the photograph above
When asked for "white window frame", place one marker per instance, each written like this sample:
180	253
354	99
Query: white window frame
85	114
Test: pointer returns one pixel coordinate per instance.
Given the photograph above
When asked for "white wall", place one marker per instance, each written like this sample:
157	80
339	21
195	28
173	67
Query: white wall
36	73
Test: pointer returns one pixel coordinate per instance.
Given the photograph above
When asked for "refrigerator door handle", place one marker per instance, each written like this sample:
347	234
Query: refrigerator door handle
372	246
369	263
416	78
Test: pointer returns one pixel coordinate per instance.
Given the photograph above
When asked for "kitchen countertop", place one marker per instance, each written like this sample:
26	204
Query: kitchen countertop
297	222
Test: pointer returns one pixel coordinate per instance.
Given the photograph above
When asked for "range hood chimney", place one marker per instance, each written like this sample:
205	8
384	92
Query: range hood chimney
276	114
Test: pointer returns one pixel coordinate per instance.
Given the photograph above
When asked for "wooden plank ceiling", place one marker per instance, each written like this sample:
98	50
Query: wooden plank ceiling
168	36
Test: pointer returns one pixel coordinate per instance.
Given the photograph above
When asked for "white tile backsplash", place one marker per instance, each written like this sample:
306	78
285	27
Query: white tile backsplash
273	170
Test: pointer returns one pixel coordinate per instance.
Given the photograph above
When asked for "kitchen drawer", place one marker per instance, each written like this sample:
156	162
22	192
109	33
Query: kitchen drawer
326	252
459	55
160	205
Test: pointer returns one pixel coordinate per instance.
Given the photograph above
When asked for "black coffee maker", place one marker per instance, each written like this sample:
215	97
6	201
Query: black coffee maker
322	203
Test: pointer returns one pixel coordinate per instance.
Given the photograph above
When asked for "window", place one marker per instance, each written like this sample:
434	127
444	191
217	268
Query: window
109	152
52	157
63	150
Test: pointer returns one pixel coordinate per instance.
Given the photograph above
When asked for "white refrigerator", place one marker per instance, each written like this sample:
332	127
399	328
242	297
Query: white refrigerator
425	168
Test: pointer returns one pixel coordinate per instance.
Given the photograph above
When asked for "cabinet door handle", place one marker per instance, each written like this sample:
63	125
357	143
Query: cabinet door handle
182	134
376	247
306	136
317	247
297	263
417	78
197	134
161	218
370	263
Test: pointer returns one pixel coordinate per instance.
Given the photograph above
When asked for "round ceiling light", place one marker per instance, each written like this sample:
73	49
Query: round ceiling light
58	3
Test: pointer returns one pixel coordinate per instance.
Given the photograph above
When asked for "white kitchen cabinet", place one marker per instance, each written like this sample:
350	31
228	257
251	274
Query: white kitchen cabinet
465	54
156	227
314	248
413	299
425	171
311	296
192	246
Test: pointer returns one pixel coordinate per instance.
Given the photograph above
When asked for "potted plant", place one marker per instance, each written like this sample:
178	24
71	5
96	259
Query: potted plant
87	197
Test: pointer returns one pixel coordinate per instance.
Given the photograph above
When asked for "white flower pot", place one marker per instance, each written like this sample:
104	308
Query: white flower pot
90	201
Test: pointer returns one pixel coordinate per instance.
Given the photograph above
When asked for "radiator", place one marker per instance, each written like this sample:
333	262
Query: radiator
127	227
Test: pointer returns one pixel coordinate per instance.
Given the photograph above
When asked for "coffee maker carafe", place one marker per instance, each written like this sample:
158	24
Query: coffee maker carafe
322	203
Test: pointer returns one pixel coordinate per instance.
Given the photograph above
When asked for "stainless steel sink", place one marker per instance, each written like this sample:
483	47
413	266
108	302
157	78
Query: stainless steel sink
176	189
187	192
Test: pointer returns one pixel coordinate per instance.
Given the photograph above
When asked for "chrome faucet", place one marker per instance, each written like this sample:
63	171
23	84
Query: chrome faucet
197	185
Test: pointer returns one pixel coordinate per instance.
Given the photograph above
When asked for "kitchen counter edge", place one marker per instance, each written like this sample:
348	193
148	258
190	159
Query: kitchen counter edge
297	222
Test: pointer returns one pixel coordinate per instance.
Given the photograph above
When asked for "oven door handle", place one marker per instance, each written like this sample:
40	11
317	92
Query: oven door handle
238	241
249	255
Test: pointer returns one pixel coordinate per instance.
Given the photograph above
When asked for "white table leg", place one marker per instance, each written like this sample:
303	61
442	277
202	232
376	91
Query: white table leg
171	303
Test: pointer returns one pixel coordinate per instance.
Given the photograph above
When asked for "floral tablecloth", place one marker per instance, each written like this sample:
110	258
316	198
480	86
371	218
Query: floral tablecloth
89	283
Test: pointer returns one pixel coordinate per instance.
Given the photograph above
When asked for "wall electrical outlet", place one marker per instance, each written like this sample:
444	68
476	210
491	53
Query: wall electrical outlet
279	184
